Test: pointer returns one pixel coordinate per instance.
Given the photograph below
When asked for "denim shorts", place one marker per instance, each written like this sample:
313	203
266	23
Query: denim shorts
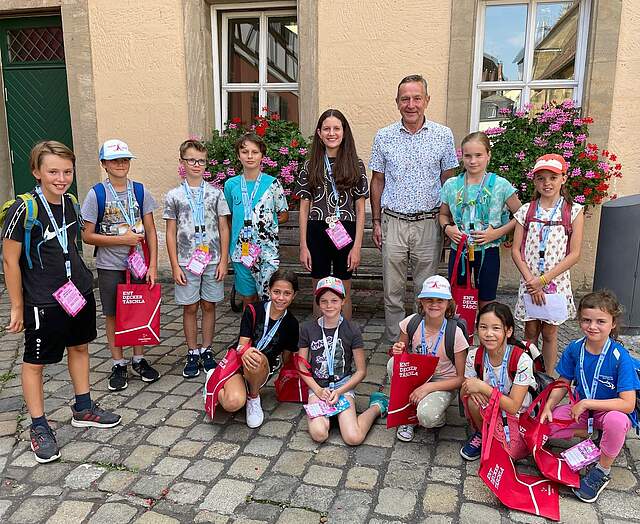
200	287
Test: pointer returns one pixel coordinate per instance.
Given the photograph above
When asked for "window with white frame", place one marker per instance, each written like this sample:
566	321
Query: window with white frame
258	63
527	52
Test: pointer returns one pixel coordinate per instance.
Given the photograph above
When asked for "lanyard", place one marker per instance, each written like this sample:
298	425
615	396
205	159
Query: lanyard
433	350
472	203
545	229
590	392
61	232
500	385
129	217
336	195
247	202
330	355
267	337
197	210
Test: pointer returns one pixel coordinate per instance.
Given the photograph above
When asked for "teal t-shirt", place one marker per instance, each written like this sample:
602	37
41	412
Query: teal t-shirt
492	208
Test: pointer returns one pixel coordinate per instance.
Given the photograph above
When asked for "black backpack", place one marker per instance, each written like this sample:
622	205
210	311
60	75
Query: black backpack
449	333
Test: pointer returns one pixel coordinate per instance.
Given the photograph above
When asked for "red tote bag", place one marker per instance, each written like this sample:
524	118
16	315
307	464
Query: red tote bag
536	434
528	493
289	384
137	314
466	296
410	370
217	377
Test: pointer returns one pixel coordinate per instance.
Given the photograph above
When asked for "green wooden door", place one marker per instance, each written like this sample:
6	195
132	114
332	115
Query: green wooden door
35	82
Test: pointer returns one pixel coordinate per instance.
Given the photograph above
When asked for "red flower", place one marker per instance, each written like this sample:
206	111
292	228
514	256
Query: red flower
236	120
575	183
597	199
275	116
582	155
613	157
617	167
587	191
261	129
588	120
602	187
605	153
294	143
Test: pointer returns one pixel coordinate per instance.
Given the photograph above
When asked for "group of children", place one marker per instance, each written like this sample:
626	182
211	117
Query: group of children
51	289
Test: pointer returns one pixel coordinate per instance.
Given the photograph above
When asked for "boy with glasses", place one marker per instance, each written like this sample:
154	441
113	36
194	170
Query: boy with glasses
198	244
118	216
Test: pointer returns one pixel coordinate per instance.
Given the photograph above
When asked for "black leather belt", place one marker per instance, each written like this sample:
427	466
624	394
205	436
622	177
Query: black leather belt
411	217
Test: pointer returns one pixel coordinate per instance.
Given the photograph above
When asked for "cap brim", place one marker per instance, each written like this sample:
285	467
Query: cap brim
327	288
548	168
118	155
444	296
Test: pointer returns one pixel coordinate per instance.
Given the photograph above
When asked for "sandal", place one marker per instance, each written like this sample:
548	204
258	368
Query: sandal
405	432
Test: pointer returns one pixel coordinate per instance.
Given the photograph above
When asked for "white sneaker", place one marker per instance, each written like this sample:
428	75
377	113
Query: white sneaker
255	415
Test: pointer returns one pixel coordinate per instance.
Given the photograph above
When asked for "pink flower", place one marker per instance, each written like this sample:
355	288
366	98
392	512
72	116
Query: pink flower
232	126
213	162
580	199
540	142
604	166
589	174
568	103
576	172
226	161
493	131
504	111
577	122
283	150
581	138
459	154
567	153
182	172
520	113
555	127
302	151
521	155
529	175
231	172
504	169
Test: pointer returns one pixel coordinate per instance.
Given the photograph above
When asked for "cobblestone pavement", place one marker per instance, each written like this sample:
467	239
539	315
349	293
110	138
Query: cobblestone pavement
168	462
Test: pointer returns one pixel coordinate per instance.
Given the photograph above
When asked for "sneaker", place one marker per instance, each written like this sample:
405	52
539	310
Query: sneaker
146	372
592	484
473	447
118	378
381	400
192	366
44	444
94	417
208	362
405	432
255	415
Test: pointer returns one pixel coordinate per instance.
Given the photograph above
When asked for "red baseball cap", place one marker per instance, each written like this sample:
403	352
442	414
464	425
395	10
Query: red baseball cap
551	162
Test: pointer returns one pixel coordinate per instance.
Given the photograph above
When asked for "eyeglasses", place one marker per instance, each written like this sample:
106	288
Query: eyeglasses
195	161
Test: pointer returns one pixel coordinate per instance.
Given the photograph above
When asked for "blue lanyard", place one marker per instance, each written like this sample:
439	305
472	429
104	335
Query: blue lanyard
129	217
336	195
267	337
472	203
503	369
545	229
330	355
197	210
61	232
248	202
590	392
433	350
500	385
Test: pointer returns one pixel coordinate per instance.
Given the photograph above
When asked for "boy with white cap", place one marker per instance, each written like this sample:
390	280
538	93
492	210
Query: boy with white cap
118	215
426	332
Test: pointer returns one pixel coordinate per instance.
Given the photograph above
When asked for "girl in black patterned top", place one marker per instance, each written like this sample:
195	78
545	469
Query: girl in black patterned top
332	187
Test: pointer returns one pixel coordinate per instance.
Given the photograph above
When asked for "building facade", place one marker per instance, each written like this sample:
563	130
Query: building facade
155	72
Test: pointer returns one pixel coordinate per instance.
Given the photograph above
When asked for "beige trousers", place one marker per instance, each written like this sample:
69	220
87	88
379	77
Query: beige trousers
417	242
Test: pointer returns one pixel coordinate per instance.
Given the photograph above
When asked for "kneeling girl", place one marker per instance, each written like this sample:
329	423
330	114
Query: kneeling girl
332	345
269	329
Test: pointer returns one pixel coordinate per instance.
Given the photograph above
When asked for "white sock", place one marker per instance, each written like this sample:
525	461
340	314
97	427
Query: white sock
120	362
194	351
137	358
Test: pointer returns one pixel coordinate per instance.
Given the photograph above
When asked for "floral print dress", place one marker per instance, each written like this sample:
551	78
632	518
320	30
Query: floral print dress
556	250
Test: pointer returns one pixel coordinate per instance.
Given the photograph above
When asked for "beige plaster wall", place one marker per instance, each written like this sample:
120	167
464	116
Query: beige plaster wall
140	87
366	46
624	133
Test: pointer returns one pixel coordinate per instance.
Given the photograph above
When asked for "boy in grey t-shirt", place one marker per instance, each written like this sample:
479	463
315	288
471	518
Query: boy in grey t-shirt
196	216
126	220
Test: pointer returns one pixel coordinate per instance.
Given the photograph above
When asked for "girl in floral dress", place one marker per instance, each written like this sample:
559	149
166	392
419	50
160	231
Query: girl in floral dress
546	243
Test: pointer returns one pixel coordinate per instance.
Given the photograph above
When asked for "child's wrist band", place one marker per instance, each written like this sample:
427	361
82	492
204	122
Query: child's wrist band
543	280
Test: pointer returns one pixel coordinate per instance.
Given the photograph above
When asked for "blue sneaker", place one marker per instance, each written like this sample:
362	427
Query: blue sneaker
473	447
207	360
192	366
592	484
381	400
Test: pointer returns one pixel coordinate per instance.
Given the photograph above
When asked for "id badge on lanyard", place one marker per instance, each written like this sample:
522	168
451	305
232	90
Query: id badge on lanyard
246	233
336	230
201	256
544	233
268	334
330	354
590	392
500	385
472	204
135	261
67	295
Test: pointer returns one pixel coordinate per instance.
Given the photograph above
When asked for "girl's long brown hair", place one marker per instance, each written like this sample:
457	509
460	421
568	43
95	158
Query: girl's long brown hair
346	169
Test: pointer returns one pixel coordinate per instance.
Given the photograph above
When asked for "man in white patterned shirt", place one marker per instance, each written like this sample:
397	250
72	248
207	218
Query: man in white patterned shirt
410	160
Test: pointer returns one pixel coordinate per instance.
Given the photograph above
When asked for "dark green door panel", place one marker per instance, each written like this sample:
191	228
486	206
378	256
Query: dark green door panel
36	97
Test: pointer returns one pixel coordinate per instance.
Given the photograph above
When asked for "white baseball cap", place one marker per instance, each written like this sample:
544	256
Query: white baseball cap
114	148
436	287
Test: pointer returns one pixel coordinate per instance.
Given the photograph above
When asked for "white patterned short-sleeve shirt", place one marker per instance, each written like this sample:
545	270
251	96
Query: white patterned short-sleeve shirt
412	165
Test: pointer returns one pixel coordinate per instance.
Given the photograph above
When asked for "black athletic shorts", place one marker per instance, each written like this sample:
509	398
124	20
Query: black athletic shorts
326	258
49	330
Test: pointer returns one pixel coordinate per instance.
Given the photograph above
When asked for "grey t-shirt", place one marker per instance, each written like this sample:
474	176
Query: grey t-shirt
176	207
113	223
349	338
